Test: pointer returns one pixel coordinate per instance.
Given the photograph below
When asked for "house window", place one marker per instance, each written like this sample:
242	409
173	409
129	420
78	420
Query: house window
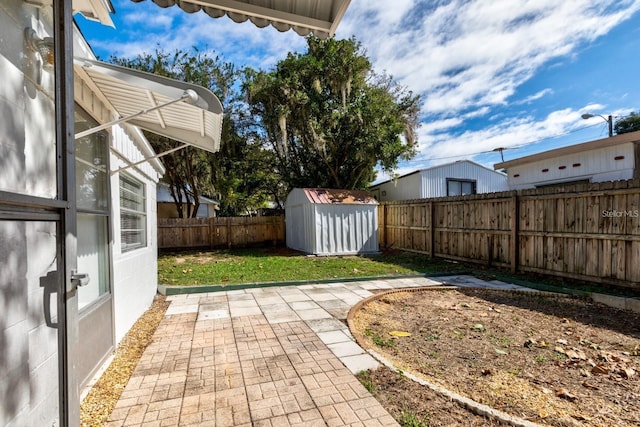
92	190
133	215
460	187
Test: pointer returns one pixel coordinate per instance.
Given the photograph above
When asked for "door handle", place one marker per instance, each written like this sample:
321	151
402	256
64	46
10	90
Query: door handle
79	279
49	285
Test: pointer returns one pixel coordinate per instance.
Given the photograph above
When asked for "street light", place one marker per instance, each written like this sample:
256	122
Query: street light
608	119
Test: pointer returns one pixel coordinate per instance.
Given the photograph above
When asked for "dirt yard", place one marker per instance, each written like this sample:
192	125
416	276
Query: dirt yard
553	360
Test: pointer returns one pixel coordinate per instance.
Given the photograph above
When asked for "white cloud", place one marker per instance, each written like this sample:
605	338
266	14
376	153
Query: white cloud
474	53
469	58
147	27
535	96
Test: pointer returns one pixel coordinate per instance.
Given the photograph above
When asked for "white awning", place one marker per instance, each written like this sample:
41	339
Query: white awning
185	112
320	17
94	10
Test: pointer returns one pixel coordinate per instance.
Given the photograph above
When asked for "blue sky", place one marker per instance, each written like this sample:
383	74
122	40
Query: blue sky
515	74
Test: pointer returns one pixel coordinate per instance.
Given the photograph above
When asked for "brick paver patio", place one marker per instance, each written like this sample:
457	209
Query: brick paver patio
279	356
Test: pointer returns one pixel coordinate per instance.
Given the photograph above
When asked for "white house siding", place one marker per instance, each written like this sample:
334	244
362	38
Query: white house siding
134	272
404	188
28	347
592	165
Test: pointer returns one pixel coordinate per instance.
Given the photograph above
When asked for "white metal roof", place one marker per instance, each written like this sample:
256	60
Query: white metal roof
130	91
320	17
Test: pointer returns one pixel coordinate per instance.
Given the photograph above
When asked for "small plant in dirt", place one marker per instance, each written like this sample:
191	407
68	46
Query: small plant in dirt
432	337
381	342
502	341
458	334
540	358
365	379
410	419
435	355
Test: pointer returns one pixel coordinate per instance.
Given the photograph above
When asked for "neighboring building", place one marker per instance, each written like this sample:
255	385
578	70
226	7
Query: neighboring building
77	191
324	221
167	206
452	179
609	159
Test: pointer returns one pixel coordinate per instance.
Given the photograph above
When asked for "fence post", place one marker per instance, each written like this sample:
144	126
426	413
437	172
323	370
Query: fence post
514	244
228	232
210	230
382	222
432	231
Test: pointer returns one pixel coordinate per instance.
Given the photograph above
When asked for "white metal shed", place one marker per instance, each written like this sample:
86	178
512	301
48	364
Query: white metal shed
324	221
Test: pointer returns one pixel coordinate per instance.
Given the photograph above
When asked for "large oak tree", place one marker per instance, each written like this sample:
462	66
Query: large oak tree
330	119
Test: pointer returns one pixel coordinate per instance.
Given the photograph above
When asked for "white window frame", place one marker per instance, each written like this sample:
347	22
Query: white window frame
459	183
141	192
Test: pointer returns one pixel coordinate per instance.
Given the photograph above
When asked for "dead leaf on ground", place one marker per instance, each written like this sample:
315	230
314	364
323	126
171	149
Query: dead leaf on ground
600	369
627	372
565	394
575	354
400	333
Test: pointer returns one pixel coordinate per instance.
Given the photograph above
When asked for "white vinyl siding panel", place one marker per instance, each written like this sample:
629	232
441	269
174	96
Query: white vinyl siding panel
592	165
434	180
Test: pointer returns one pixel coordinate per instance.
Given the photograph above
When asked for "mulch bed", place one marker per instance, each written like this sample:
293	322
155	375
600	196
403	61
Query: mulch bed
99	403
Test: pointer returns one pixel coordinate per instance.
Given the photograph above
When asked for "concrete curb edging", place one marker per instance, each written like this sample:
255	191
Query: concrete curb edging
472	405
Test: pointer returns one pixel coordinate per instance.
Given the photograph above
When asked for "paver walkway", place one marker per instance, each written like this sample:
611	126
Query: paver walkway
278	356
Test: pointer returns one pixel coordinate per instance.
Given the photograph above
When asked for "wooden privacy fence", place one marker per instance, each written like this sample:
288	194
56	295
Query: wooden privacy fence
582	231
176	233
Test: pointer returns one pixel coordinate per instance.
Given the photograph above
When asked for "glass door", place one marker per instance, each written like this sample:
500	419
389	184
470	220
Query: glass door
38	298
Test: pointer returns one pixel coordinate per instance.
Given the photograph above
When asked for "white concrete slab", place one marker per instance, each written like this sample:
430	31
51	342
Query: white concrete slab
360	362
332	337
347	348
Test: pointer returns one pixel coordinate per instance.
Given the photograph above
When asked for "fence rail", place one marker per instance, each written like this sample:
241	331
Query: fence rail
177	233
583	231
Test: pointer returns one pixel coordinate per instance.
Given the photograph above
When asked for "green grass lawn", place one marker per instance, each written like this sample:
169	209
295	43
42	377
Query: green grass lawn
221	267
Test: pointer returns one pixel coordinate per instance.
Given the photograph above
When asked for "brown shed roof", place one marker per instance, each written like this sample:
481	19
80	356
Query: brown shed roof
328	196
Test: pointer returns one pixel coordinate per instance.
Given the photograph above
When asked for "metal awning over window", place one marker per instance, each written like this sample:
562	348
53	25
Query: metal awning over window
320	17
94	10
185	112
